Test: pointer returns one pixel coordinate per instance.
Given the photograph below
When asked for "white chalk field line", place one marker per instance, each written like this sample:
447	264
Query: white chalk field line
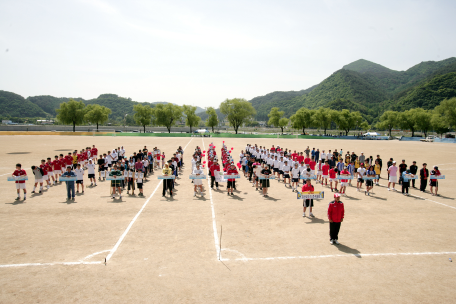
111	251
116	246
357	255
214	222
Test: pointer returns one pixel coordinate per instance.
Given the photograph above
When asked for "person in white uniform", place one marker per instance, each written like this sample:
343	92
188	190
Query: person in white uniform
198	183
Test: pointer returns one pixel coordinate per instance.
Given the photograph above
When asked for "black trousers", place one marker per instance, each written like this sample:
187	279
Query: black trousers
334	230
168	184
413	183
423	184
213	181
250	175
131	184
405	187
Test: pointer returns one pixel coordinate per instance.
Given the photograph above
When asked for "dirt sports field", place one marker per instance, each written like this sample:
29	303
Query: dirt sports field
394	249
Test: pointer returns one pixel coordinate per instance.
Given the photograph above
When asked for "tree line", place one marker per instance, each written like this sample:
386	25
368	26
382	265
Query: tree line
167	115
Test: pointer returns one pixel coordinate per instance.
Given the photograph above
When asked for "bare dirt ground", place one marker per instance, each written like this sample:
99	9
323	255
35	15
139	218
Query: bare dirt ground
393	248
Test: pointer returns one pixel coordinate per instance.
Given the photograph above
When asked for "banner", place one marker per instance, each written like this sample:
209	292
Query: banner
194	176
437	177
264	177
411	176
68	178
118	178
102	174
308	176
311	195
344	177
370	177
16	178
166	177
231	176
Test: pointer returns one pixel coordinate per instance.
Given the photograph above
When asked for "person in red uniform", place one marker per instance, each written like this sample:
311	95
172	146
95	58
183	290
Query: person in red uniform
312	165
344	182
325	169
20	184
214	167
308	203
231	181
332	178
43	167
300	157
336	214
57	165
50	167
94	153
433	182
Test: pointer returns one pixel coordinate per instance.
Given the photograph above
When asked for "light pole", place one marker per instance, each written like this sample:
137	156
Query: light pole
125	122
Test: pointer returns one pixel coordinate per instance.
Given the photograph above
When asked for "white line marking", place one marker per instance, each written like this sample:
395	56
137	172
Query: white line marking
11	173
426	199
94	254
342	255
50	264
116	246
214	223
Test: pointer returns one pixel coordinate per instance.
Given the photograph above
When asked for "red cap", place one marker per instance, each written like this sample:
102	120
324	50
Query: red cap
336	195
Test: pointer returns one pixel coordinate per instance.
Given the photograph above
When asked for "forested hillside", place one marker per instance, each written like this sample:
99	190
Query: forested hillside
13	105
361	86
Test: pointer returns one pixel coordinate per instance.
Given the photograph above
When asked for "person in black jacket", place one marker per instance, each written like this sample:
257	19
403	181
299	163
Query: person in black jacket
413	170
380	162
424	175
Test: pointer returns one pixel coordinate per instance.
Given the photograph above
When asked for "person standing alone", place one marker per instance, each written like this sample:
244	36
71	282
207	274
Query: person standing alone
336	215
424	175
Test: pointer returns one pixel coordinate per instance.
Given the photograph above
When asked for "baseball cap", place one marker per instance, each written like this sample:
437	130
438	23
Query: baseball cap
336	195
394	161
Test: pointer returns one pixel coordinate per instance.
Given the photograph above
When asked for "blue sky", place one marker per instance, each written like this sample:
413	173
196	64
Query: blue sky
202	52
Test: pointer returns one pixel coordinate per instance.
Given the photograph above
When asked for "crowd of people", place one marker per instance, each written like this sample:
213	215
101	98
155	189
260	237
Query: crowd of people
259	164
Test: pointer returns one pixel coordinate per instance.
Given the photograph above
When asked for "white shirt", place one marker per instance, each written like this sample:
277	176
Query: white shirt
361	172
323	156
122	152
198	171
295	172
276	163
108	159
286	168
281	166
90	168
79	173
139	179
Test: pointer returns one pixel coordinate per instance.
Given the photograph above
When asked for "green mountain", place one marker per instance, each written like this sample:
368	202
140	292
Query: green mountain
13	105
361	85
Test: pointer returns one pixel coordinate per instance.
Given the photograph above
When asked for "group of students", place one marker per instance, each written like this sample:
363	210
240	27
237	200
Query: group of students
172	167
407	174
290	167
49	171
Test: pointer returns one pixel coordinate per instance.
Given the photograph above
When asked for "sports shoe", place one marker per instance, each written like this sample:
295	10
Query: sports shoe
33	191
39	192
331	242
217	188
337	242
228	194
194	193
311	215
304	215
17	198
389	189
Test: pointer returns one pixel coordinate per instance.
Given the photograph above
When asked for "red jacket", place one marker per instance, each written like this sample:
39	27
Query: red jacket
307	188
231	171
214	167
336	211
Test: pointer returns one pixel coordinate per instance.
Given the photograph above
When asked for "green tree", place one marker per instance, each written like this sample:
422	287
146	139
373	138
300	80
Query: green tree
274	117
302	119
388	121
97	114
191	119
439	124
212	119
447	109
238	111
423	120
283	122
71	112
143	115
323	118
347	120
407	120
365	126
168	115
